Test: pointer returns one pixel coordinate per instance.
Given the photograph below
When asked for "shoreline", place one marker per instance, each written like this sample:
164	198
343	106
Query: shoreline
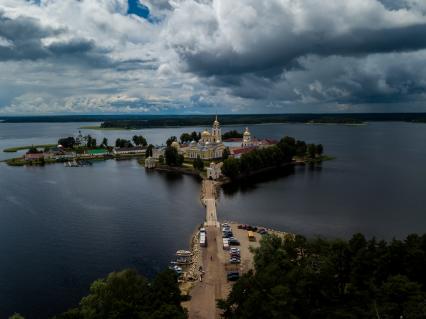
175	169
226	180
26	147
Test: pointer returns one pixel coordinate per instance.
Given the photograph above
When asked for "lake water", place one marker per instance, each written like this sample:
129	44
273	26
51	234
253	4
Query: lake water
61	228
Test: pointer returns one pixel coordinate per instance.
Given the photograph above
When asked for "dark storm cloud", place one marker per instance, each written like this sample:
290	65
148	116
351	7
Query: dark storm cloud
23	40
307	52
270	61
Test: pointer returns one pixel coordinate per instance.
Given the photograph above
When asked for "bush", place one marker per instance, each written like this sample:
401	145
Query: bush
126	294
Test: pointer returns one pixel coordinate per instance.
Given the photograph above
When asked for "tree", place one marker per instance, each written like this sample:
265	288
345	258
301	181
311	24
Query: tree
148	151
198	163
126	294
232	134
104	142
312	150
231	167
301	148
170	140
195	136
172	157
320	278
16	316
67	142
123	143
161	159
319	149
402	298
185	137
139	140
226	153
33	150
89	141
288	147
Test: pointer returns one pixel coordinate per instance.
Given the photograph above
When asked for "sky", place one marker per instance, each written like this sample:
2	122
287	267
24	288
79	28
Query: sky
212	56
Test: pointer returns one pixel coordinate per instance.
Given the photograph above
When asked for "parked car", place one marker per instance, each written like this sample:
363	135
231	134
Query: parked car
235	255
234	241
225	225
233	276
235	249
227	234
262	231
235	260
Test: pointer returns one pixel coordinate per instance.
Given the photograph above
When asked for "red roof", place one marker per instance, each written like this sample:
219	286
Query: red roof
243	150
267	141
233	139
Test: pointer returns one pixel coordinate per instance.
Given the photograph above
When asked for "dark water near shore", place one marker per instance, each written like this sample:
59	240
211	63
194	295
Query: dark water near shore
61	228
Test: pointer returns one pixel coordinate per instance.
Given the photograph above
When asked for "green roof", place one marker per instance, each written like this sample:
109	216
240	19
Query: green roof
97	151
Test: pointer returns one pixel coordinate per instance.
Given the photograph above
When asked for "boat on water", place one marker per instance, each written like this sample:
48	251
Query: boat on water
183	257
184	253
73	163
77	163
176	268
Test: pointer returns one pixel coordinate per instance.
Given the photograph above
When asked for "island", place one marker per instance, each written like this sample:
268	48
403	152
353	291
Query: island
230	156
79	150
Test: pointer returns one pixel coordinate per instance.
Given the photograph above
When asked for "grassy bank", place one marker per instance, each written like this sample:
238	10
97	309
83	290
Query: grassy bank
26	147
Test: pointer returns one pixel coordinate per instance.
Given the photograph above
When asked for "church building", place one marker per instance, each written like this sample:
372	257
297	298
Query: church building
210	145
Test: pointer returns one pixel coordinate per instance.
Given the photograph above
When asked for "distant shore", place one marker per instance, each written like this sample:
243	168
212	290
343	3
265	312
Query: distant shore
332	123
96	127
26	147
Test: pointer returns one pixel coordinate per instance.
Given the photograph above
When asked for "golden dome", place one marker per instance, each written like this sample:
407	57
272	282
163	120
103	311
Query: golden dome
246	132
175	144
205	133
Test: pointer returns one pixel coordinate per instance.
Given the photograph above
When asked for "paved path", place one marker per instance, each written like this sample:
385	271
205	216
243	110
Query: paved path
209	200
213	285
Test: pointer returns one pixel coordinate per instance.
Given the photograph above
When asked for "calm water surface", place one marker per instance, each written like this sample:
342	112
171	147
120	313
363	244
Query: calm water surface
61	228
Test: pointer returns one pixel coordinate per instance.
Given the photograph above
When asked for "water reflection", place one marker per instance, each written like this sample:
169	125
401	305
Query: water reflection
250	184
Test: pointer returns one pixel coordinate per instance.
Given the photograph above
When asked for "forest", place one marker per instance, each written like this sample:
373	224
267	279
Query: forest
332	278
270	157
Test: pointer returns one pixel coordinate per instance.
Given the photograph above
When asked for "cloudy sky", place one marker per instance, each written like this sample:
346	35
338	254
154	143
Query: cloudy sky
208	56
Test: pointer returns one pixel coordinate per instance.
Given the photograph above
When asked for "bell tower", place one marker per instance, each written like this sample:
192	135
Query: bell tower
246	138
216	132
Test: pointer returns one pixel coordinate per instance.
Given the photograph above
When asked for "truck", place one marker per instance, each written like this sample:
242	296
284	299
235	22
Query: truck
203	240
251	236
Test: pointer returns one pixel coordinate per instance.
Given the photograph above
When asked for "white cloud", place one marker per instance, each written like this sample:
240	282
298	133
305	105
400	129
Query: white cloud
209	55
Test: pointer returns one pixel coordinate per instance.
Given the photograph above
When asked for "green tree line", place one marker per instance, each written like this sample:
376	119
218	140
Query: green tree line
273	156
126	294
319	278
